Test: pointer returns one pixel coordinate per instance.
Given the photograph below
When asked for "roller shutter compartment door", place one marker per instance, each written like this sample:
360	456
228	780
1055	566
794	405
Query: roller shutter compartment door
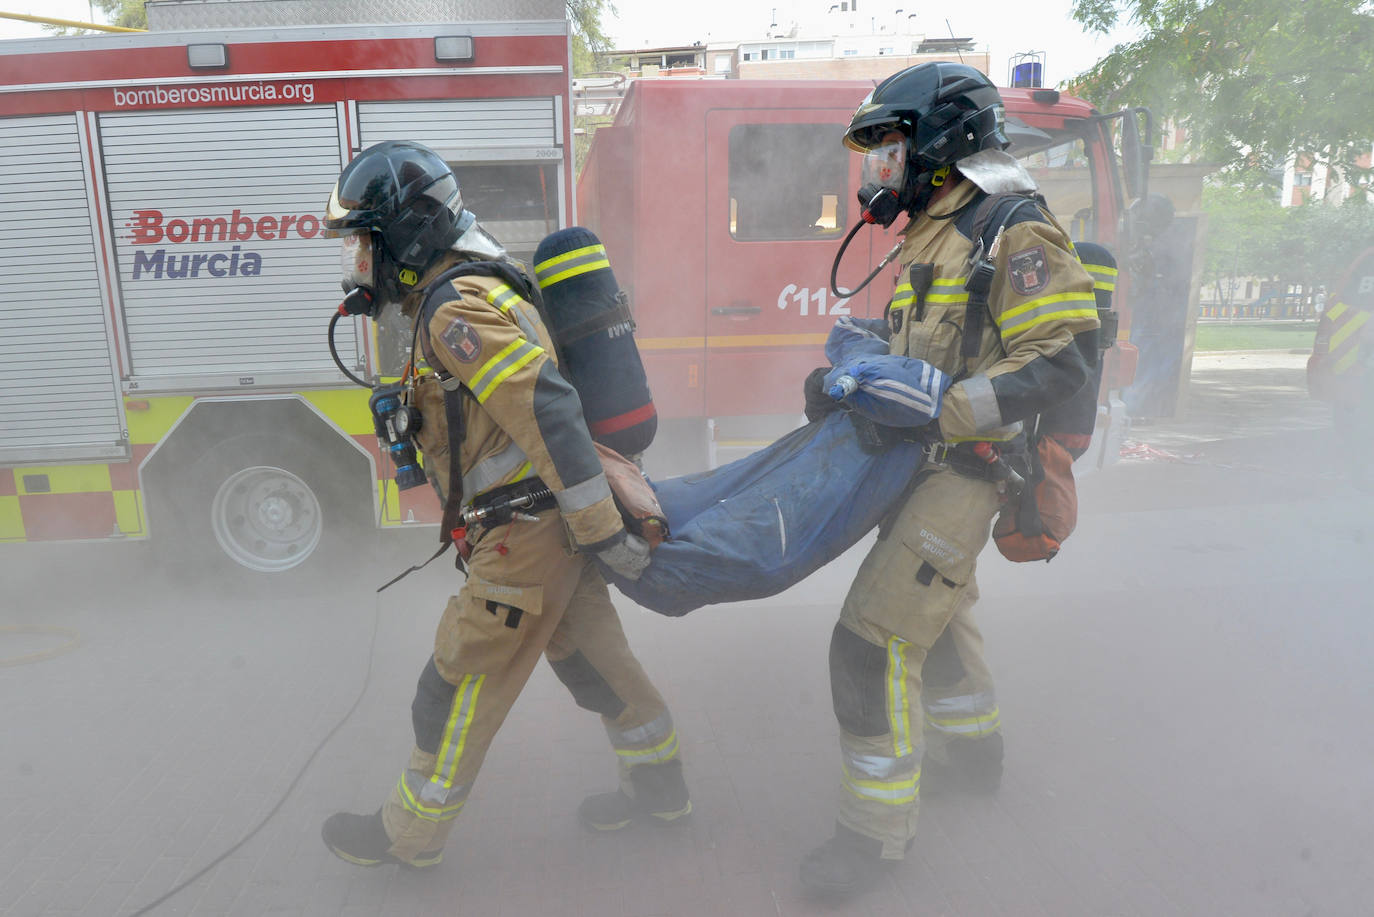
60	401
223	263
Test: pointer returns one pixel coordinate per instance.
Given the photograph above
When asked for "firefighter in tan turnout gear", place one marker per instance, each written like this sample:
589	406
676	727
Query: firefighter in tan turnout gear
908	677
532	588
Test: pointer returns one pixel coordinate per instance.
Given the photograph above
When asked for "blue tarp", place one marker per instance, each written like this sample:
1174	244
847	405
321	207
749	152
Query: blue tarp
758	525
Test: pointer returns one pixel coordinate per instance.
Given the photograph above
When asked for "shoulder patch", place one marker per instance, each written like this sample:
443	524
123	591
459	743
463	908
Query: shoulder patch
1029	270
462	341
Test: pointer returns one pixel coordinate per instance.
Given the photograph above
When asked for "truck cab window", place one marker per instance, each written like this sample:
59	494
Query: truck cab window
787	181
1064	171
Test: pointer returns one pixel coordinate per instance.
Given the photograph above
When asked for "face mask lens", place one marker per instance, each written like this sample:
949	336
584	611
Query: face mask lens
885	165
355	260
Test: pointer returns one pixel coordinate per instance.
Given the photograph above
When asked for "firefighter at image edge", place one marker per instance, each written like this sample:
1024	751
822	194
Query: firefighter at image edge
911	689
532	587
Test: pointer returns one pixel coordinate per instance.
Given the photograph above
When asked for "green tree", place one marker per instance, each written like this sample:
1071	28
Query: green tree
1245	229
589	41
1253	82
130	14
589	46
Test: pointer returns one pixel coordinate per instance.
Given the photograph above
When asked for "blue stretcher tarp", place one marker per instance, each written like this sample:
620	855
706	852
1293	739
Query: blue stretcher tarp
758	525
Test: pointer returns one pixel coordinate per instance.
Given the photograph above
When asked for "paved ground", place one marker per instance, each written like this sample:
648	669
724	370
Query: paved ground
1185	691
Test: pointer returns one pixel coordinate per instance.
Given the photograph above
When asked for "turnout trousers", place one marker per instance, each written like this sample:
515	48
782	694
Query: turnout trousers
534	597
907	620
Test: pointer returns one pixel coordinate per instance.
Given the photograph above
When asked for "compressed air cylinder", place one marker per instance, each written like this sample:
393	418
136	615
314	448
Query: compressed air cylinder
590	319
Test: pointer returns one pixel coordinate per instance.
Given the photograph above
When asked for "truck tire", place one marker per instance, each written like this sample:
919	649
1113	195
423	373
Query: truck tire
256	505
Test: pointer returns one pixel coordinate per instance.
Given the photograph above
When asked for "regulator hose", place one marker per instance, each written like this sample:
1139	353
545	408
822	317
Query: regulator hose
844	246
333	352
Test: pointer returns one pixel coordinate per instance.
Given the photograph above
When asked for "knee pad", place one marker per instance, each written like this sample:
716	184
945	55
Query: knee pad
943	667
430	708
588	688
858	670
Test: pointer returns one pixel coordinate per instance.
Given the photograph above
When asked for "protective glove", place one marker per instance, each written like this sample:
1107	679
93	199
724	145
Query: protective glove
628	558
818	402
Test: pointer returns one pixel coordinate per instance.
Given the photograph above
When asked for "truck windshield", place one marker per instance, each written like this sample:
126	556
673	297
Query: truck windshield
1060	163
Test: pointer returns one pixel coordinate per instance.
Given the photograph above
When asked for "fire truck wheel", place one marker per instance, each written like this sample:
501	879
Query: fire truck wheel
262	505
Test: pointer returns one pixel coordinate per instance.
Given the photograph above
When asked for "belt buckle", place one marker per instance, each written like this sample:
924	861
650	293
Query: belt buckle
936	453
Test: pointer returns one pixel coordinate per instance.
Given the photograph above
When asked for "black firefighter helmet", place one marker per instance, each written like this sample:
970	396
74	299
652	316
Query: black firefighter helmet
404	192
946	110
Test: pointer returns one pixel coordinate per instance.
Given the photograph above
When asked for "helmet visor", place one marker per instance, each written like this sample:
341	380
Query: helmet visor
357	261
336	215
885	163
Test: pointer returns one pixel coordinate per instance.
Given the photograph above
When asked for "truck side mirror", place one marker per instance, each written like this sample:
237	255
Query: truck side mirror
1135	154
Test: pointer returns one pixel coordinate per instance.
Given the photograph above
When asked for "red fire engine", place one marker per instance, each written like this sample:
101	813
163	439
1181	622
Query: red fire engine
163	366
722	204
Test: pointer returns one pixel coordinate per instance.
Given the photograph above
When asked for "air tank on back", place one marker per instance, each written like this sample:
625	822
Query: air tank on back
589	316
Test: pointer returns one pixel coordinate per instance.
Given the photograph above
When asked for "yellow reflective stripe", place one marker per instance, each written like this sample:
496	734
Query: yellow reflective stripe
1347	328
948	290
574	271
568	256
984	724
1336	311
521	473
493	372
502	296
1052	316
588	258
886	792
506	373
1046	301
11	519
129	512
898	709
427	812
663	751
1344	364
464	705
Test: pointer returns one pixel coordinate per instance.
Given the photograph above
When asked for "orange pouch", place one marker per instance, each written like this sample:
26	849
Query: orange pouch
1035	525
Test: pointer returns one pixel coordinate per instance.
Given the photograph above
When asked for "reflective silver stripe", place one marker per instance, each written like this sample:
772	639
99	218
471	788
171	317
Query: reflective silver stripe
511	358
661	753
878	767
431	801
493	470
948	290
962	705
982	401
571	264
580	496
888	792
1063	305
652	732
965	715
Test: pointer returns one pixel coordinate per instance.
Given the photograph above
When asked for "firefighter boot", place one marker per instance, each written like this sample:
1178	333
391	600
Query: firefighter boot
362	840
847	864
970	765
657	793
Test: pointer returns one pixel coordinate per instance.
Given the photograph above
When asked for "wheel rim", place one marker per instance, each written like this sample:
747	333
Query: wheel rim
266	519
